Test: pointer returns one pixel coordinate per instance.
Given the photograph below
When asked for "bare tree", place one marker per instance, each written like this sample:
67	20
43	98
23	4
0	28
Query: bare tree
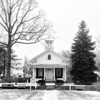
67	55
27	68
97	58
23	23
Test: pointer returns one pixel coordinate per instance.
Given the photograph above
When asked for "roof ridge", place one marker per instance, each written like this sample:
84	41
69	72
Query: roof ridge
47	51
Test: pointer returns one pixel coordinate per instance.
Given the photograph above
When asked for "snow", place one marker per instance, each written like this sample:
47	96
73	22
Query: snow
12	94
50	95
91	92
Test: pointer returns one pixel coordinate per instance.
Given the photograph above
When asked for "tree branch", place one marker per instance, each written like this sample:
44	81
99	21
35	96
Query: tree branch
3	27
4	44
21	22
5	13
26	43
15	5
16	14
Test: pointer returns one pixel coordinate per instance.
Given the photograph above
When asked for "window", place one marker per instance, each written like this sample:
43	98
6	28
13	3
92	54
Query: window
59	72
39	72
49	57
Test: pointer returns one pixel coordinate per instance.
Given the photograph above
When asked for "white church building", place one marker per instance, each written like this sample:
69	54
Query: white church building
49	65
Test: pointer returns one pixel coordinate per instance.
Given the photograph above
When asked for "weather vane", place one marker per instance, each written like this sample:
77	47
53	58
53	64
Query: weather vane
49	35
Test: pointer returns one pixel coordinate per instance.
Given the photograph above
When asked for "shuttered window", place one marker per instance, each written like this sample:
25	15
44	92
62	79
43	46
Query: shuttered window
59	72
39	72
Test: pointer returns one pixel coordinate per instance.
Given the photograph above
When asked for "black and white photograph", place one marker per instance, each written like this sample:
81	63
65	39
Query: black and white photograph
49	49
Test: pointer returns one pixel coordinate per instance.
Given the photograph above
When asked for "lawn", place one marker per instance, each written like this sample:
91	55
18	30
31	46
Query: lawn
12	94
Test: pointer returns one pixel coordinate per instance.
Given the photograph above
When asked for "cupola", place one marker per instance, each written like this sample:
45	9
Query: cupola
49	44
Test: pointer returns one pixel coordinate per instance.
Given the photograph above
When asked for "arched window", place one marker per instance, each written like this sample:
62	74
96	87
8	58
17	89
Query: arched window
49	57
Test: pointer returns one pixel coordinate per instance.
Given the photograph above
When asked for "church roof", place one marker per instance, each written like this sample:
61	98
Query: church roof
50	51
49	65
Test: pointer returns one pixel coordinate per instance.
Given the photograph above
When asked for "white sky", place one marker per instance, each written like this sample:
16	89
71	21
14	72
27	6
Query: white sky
65	16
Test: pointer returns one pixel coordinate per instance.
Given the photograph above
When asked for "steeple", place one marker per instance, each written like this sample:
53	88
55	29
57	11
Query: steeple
49	44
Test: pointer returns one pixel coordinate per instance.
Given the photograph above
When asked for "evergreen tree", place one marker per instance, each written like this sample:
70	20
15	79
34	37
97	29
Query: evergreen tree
83	64
3	60
15	61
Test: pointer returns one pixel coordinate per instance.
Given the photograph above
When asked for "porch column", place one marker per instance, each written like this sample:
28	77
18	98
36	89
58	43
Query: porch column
65	73
44	73
54	74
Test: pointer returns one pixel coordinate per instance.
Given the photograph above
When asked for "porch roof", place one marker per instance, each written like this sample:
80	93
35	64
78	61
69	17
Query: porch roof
49	66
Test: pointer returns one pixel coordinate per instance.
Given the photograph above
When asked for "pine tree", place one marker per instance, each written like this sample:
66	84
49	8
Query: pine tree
83	64
3	60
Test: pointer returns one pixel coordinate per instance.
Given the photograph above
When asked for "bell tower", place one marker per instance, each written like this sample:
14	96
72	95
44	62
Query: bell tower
49	44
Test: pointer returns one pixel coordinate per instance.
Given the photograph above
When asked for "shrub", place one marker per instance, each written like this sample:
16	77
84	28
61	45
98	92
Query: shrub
90	88
94	87
41	82
59	82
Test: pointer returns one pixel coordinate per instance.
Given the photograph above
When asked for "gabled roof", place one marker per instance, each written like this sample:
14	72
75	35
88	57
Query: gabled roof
46	52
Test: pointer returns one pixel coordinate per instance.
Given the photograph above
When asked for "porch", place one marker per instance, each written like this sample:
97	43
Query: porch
49	73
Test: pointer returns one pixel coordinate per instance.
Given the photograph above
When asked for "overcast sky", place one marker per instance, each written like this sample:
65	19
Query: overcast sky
65	16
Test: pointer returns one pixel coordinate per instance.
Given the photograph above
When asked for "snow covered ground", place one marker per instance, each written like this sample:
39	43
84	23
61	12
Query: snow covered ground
48	95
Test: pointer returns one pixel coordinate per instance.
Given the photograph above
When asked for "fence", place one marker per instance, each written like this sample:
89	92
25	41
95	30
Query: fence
35	85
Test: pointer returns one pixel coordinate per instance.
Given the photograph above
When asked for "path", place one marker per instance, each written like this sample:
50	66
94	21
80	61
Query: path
50	95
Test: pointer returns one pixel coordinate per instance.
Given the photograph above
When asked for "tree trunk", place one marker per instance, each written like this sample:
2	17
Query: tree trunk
9	60
4	65
8	64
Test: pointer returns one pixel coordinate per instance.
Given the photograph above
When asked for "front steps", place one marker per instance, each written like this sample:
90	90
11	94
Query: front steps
50	86
50	81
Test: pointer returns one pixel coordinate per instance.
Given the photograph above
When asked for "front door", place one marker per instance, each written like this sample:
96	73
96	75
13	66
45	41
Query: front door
49	74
